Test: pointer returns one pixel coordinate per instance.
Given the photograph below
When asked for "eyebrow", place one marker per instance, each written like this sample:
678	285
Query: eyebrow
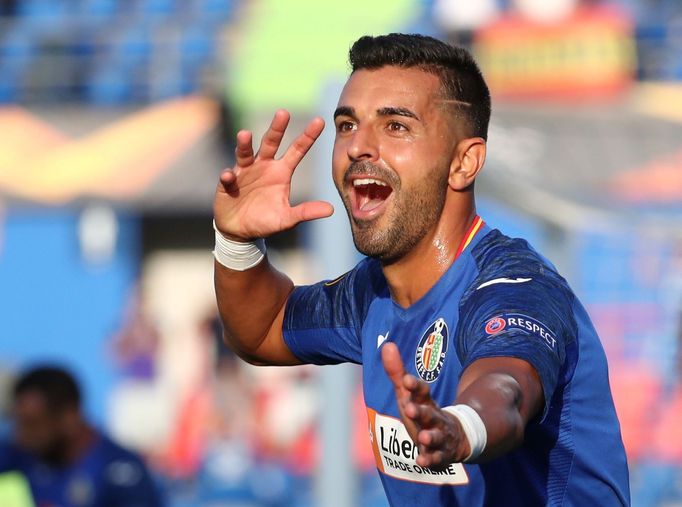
383	111
397	111
344	111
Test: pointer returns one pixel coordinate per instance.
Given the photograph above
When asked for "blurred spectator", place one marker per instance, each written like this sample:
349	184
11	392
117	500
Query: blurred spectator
658	477
217	410
137	342
66	461
140	405
233	391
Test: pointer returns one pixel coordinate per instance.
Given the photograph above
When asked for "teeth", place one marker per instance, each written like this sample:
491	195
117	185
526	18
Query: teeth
368	181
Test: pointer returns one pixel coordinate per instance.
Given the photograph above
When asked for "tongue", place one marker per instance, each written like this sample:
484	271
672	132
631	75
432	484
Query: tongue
367	204
371	197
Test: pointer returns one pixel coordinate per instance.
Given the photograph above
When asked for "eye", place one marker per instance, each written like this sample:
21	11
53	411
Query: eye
395	126
345	126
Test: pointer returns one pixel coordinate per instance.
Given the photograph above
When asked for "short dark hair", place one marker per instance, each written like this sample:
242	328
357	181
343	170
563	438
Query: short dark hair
461	79
58	387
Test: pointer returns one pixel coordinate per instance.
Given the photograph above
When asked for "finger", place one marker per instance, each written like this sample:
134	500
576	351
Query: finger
393	364
419	390
430	459
431	439
311	210
425	416
227	178
273	136
302	143
244	150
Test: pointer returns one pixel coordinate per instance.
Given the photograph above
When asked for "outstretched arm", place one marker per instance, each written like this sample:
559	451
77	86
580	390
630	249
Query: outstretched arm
252	202
505	392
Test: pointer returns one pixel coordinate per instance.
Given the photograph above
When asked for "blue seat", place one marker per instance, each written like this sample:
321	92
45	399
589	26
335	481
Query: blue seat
50	15
18	43
9	86
215	10
109	86
133	44
40	7
99	8
197	43
158	6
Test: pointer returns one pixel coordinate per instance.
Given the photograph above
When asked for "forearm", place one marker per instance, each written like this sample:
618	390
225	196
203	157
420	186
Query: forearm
497	399
250	303
506	393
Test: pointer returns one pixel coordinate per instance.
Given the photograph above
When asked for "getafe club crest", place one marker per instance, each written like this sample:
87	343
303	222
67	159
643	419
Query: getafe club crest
431	351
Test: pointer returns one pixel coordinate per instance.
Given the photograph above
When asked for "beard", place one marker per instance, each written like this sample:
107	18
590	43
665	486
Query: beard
412	213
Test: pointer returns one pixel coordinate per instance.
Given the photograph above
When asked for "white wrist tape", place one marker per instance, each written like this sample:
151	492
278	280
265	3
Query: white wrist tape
236	254
473	427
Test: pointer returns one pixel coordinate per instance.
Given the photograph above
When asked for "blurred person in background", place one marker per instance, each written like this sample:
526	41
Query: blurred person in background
66	461
136	344
658	480
444	312
217	411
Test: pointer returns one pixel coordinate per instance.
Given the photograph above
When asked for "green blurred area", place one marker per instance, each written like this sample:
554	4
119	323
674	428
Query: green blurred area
14	491
286	51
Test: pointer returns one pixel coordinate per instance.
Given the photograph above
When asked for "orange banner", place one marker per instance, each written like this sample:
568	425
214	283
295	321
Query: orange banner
591	54
117	161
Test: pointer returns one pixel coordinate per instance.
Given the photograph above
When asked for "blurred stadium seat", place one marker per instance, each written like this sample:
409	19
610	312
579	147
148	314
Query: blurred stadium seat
154	7
137	34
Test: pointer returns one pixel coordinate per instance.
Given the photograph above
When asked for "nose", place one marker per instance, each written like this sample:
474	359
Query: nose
363	145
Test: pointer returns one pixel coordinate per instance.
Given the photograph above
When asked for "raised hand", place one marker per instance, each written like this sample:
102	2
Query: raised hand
252	198
438	434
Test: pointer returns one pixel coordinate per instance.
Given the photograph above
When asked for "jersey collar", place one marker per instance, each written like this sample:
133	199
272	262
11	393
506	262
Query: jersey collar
476	225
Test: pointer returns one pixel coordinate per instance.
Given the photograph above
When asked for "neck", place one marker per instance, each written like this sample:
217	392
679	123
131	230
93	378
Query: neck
410	277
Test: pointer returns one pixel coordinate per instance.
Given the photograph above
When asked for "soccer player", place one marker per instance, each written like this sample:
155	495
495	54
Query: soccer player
64	459
484	380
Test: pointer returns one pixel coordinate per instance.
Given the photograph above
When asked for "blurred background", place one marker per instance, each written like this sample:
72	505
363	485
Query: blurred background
116	118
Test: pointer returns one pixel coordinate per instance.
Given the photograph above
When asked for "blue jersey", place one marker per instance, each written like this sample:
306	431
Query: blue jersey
498	299
105	476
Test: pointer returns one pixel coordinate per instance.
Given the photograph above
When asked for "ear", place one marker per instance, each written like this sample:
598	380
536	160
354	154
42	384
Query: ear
468	160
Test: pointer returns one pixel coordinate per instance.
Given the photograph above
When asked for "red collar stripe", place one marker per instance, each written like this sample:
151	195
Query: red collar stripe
475	227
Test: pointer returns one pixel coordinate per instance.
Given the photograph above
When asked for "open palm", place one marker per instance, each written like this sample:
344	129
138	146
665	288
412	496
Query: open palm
252	199
438	435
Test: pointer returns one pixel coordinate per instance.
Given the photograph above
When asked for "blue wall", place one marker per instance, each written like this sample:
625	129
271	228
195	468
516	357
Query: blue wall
55	306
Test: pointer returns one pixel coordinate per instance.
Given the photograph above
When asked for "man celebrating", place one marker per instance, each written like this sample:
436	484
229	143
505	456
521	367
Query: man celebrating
484	380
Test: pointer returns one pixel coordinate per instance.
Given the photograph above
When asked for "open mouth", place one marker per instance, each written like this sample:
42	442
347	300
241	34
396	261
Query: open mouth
368	196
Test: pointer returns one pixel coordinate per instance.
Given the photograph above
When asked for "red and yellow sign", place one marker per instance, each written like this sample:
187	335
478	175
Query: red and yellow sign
590	54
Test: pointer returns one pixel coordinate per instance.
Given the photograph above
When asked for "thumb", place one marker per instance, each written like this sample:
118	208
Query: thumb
311	210
393	364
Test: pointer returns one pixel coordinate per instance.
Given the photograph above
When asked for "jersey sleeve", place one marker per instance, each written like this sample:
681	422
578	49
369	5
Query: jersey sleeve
528	316
322	322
